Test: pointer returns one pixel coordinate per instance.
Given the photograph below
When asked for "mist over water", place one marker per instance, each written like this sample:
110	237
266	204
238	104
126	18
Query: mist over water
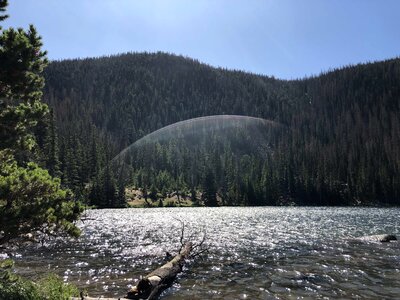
255	252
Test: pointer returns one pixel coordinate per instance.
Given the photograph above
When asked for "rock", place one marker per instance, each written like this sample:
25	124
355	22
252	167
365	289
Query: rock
383	238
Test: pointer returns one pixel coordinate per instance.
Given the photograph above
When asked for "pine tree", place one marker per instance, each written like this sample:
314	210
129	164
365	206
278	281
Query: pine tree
31	201
209	195
110	190
103	191
121	199
51	149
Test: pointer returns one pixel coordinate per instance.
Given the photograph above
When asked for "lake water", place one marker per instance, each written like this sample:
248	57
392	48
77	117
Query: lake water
254	253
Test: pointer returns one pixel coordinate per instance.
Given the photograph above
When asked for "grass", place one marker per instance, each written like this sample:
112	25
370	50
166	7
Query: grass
14	287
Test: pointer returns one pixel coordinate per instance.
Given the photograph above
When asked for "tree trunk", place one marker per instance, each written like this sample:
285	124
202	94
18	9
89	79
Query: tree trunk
157	281
94	298
160	279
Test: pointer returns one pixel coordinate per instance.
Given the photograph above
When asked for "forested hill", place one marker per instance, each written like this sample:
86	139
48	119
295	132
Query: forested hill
133	94
343	146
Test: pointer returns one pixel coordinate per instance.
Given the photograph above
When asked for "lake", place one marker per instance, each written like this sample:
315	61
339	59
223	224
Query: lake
254	252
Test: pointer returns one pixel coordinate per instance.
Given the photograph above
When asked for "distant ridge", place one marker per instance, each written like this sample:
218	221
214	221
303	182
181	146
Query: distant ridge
345	122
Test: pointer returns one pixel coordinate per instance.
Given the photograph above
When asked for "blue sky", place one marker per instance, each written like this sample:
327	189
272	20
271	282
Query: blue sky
283	38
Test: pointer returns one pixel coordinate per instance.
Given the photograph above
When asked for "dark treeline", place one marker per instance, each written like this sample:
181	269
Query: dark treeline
341	146
232	165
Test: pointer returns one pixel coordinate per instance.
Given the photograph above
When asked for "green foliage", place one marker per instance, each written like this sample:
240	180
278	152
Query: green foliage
21	82
103	191
3	5
19	290
47	150
341	145
53	288
14	287
209	188
31	201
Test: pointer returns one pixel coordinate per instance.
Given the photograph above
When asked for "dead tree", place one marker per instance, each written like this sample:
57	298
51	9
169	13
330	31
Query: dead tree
152	285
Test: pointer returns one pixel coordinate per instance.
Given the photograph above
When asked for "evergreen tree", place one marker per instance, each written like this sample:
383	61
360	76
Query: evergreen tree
51	149
209	195
338	143
31	201
103	191
121	199
110	190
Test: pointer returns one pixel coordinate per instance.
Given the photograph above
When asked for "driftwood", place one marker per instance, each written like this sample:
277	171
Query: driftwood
94	298
151	286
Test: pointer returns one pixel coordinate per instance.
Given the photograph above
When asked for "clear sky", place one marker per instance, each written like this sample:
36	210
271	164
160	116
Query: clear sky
283	38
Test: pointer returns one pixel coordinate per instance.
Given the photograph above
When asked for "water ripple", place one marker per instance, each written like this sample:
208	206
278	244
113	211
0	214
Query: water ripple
255	253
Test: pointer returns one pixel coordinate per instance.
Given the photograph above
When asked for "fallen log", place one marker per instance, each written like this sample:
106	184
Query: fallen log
151	286
94	298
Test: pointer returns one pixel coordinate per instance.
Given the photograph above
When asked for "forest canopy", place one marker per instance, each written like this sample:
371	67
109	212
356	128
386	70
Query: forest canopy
341	146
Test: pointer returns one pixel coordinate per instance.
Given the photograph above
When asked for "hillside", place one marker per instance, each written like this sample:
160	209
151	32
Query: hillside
341	146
